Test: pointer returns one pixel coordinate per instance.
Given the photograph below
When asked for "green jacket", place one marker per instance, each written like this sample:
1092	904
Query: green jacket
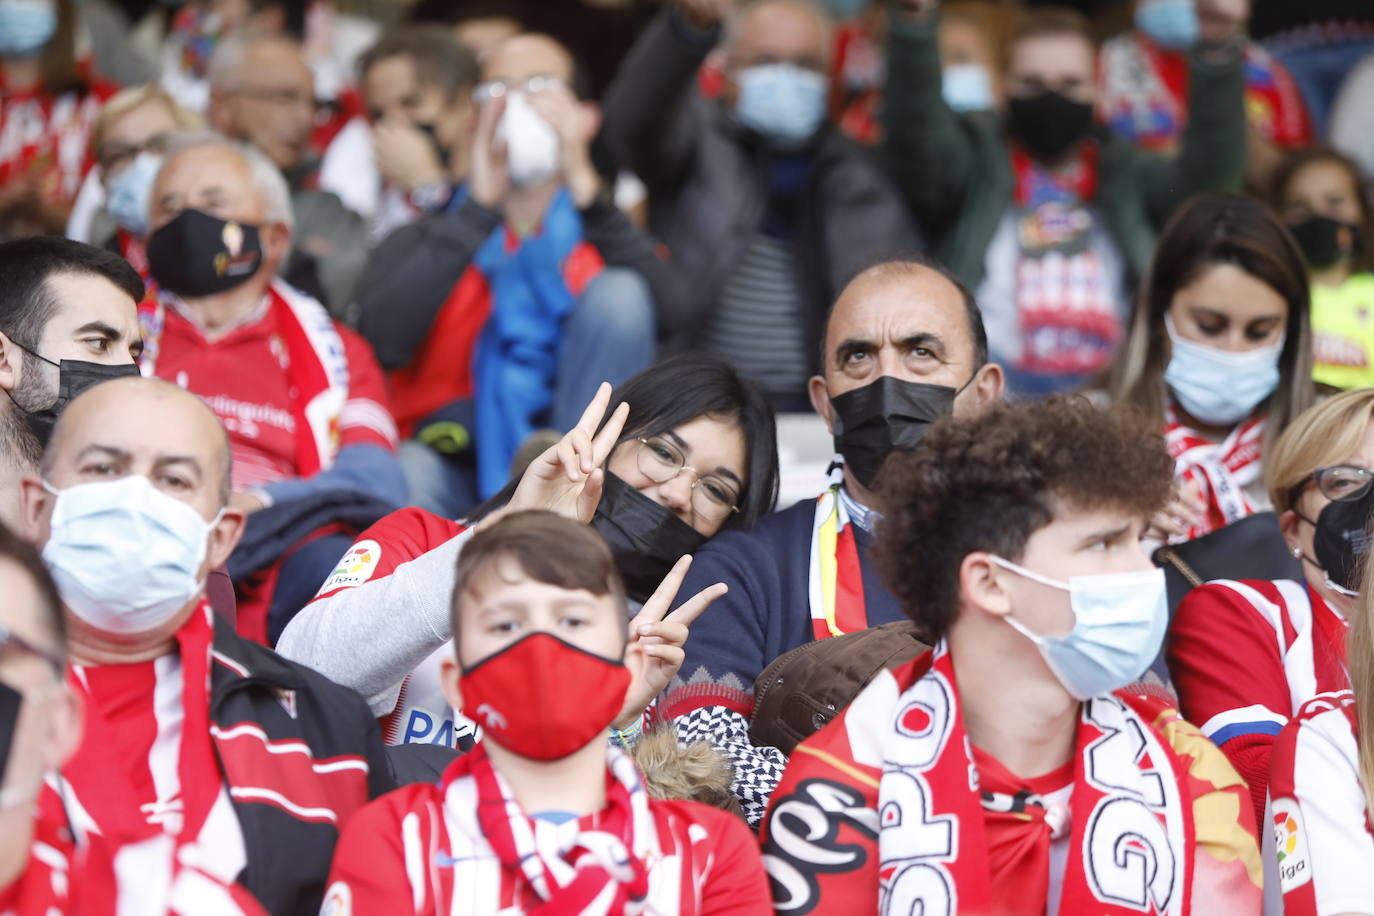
955	169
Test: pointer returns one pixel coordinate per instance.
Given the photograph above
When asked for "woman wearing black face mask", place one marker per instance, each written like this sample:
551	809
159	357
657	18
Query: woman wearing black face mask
674	455
1320	194
1245	655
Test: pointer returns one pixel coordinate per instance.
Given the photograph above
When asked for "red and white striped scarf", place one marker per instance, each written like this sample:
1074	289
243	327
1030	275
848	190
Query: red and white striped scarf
1222	469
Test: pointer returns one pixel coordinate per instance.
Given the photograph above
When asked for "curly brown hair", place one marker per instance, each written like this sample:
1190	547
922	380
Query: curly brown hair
991	480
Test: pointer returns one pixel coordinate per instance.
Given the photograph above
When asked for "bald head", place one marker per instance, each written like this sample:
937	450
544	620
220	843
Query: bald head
778	31
142	426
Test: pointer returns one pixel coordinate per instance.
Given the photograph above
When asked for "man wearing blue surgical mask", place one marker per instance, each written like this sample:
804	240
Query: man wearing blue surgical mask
185	722
768	211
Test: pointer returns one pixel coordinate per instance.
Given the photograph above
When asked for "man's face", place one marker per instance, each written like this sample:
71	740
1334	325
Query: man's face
95	322
43	735
207	178
394	93
911	326
1052	63
1078	542
776	33
271	103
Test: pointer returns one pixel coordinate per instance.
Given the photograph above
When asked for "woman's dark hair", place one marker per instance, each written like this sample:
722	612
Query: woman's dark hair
1209	230
1297	161
677	391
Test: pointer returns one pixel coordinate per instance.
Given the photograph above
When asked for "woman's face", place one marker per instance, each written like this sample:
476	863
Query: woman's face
1321	188
139	128
709	446
1229	309
1310	504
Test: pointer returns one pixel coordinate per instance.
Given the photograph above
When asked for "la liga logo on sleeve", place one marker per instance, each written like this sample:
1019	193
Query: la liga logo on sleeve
354	568
1290	843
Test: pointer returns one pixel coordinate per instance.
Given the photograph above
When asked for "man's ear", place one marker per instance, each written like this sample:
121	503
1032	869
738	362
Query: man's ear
989	385
590	116
449	676
819	393
34	509
64	722
11	363
276	242
224	536
980	587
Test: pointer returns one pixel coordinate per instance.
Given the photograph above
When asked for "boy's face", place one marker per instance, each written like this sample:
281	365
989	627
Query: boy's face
501	604
1077	543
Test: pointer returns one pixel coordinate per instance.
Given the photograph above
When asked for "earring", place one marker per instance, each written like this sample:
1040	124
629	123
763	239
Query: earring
1297	553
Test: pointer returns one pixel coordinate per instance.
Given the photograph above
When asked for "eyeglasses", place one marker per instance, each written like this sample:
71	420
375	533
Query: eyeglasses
115	156
8	638
713	500
494	89
1338	483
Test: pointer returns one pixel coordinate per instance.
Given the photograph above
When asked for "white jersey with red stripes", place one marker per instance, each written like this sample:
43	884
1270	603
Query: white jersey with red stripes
1321	826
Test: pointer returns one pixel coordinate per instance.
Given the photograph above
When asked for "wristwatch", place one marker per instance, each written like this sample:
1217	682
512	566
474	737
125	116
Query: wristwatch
430	197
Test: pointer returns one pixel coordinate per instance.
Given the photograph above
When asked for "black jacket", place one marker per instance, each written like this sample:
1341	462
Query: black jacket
708	182
263	710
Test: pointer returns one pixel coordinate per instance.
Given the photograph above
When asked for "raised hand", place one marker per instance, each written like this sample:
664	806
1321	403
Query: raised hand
654	652
706	13
488	179
406	157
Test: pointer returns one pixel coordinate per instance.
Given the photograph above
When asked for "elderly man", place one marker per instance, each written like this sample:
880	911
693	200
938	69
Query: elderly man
301	396
67	321
503	310
262	92
768	211
903	346
190	730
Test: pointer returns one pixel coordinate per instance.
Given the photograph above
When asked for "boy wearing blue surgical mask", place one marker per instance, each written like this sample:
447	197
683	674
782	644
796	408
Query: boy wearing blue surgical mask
1013	770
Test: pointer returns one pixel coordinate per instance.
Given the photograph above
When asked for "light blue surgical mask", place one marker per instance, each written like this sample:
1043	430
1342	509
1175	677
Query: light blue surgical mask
128	192
26	25
1218	387
126	557
967	87
1171	24
782	102
1119	624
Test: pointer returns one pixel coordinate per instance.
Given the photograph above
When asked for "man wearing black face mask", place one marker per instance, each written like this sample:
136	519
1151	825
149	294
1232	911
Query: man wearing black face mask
904	345
67	321
1046	216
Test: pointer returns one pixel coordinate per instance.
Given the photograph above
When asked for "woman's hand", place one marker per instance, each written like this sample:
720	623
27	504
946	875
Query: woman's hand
567	477
654	653
1185	511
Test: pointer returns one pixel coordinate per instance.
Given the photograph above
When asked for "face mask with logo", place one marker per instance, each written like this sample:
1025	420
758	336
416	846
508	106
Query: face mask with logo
543	698
1326	242
783	103
1119	624
128	192
26	26
1218	387
198	255
884	416
532	154
125	556
967	87
1341	541
1171	24
1048	124
645	538
73	377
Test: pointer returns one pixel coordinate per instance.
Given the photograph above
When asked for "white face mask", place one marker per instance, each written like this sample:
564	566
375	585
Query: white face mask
125	556
531	143
1119	624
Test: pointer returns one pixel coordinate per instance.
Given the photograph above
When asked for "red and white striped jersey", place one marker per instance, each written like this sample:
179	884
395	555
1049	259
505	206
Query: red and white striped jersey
1244	656
1321	823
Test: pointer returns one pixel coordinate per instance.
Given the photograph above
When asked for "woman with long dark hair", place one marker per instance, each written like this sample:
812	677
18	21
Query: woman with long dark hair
679	452
1219	355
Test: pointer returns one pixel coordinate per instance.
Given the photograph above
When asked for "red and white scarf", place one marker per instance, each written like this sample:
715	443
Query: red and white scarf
1222	469
98	787
595	865
1131	831
317	366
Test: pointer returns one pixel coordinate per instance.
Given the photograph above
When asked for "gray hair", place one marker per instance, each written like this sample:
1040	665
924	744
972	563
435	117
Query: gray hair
731	30
267	179
226	63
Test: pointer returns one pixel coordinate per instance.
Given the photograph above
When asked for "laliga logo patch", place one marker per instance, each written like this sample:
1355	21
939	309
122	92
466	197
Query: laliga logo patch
1290	842
338	900
493	719
355	568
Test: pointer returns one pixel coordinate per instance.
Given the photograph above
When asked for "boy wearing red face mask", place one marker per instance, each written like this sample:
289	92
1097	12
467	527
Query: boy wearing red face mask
543	814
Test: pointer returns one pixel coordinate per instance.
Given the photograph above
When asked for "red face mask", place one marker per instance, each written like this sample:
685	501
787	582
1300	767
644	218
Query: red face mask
543	698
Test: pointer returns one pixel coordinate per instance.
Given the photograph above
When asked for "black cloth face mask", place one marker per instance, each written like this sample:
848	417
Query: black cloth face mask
1325	241
1341	541
197	254
73	377
1049	123
10	701
645	538
884	416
